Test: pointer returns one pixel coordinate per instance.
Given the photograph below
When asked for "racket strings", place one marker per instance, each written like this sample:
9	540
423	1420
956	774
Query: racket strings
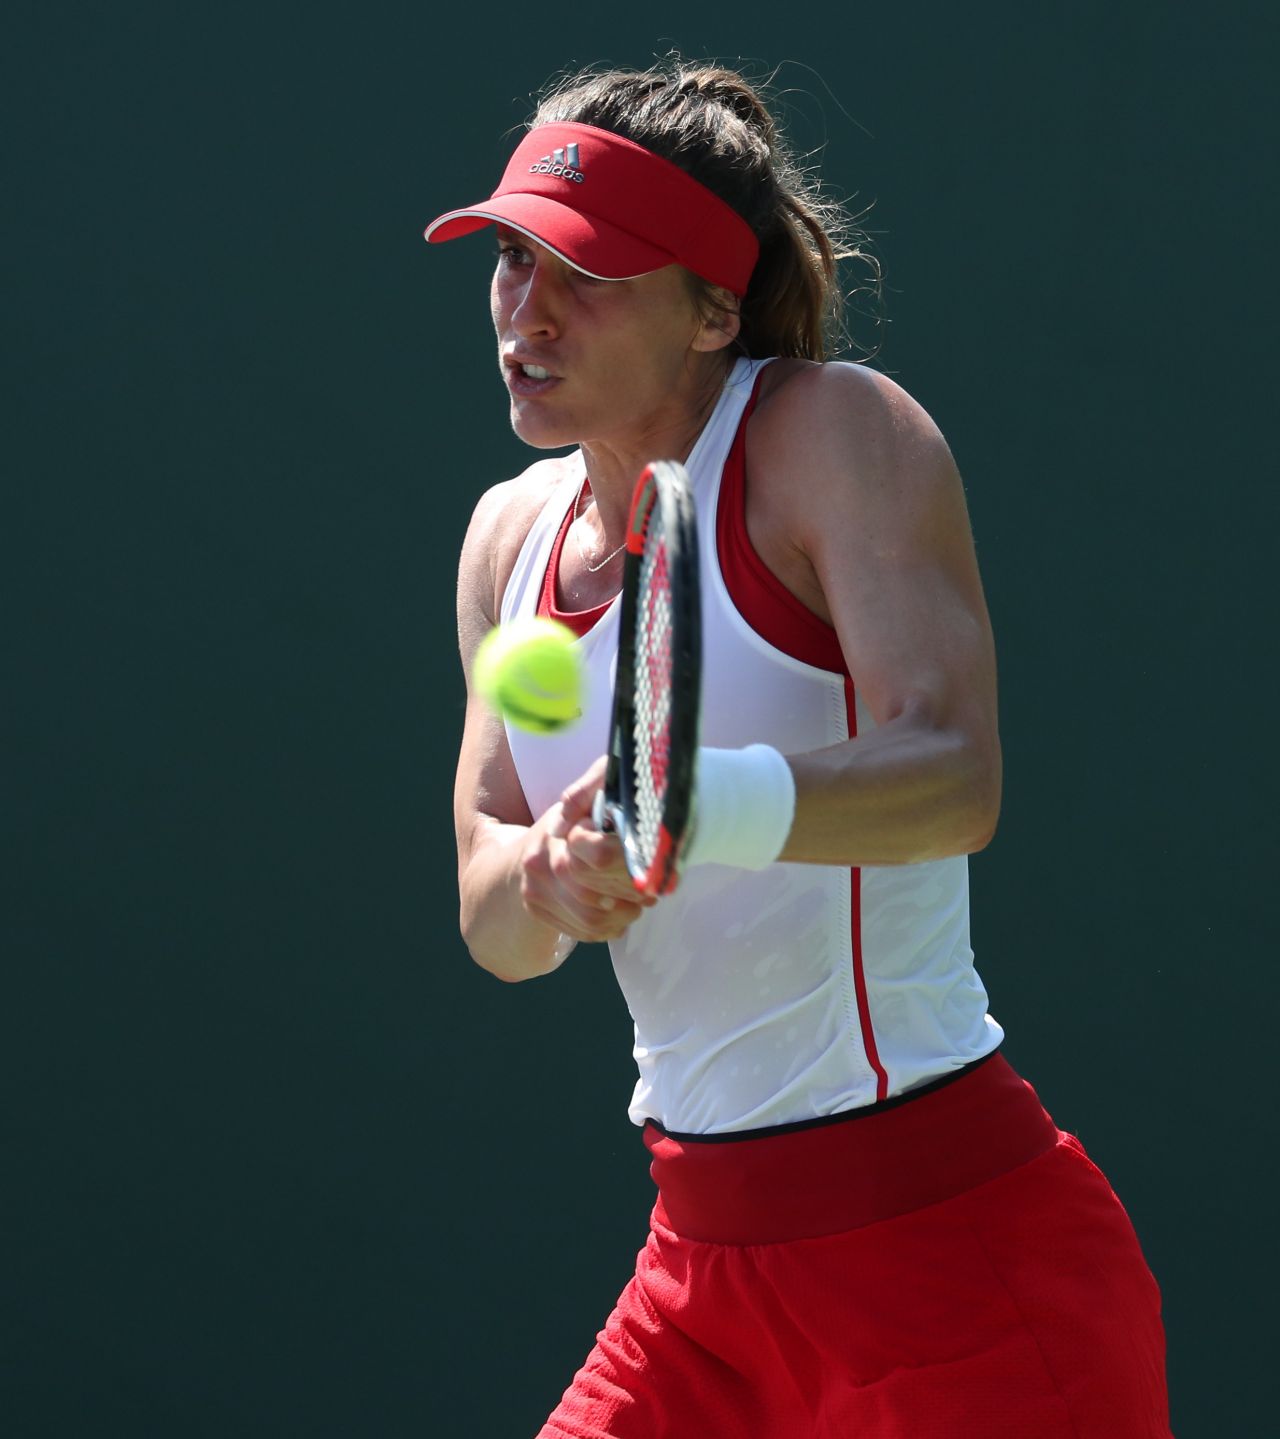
653	676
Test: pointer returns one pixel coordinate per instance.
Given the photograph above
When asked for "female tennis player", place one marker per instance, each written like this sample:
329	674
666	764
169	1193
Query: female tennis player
866	1223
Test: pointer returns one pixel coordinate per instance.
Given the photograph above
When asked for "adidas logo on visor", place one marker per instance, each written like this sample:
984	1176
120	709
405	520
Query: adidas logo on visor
563	162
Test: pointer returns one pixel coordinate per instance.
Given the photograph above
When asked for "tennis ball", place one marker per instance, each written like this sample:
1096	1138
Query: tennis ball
530	674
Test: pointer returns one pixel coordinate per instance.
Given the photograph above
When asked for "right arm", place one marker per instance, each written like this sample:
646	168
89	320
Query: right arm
525	899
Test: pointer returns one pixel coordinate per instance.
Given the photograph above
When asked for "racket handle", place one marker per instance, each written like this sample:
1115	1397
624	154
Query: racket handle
599	814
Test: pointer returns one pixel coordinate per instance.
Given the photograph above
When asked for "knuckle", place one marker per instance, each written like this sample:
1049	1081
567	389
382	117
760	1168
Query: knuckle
534	858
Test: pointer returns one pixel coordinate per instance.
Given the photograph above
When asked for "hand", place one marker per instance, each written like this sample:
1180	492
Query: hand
574	877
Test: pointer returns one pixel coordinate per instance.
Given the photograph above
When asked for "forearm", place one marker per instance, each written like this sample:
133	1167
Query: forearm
903	793
501	934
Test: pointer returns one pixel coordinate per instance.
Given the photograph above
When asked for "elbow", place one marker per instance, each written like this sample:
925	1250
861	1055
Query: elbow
492	964
967	798
508	952
980	837
504	978
985	796
481	931
484	961
482	955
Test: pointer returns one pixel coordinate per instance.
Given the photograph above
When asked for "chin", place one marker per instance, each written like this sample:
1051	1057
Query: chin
540	432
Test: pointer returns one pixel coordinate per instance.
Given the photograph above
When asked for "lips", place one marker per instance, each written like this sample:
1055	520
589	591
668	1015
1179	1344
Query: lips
520	360
526	377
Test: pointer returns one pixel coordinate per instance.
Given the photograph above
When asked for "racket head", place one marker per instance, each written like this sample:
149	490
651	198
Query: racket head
653	744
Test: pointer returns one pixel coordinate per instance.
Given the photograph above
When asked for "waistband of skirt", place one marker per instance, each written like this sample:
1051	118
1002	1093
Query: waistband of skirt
800	1181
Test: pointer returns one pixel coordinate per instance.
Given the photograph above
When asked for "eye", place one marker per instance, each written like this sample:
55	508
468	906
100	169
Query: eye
511	252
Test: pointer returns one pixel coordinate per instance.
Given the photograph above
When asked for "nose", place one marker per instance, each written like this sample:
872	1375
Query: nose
538	303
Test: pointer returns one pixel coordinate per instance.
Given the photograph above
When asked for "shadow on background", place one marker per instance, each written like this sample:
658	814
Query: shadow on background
281	1160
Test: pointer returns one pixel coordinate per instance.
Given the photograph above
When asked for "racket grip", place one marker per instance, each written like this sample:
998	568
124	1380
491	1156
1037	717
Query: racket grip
599	814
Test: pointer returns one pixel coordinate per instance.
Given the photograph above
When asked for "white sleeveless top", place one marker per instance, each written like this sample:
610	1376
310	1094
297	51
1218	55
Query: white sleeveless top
765	997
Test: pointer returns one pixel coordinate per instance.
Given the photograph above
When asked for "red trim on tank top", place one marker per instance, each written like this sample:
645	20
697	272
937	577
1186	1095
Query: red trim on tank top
855	933
789	625
759	596
579	621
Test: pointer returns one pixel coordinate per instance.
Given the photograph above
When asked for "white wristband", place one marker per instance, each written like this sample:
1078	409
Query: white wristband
744	803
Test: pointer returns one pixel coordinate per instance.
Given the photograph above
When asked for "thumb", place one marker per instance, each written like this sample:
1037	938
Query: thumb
577	800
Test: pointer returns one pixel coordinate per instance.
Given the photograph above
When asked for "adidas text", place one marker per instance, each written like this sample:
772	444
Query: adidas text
560	163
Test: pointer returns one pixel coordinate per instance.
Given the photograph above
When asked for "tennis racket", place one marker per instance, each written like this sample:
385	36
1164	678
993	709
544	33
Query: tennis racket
653	739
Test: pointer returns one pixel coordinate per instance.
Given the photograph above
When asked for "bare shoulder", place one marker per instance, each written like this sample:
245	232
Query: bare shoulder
499	526
805	384
842	413
851	488
866	449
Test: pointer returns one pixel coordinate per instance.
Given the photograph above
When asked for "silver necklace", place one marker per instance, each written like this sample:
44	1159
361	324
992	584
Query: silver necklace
577	515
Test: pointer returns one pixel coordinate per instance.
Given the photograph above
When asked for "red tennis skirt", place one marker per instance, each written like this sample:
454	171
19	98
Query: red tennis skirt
948	1265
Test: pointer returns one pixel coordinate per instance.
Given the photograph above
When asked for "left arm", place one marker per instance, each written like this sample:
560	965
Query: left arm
877	541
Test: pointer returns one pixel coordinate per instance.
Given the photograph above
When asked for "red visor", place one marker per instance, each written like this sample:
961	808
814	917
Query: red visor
611	209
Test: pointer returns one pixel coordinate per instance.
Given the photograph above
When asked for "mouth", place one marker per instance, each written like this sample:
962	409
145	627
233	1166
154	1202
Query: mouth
526	378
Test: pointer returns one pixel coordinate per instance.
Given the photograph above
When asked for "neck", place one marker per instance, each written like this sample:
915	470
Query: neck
613	466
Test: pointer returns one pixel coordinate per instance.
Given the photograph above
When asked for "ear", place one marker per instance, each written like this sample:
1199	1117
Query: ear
720	322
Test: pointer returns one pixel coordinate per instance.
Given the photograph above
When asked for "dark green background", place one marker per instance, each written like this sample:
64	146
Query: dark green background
280	1160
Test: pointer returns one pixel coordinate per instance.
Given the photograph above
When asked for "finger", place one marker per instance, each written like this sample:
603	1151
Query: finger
597	884
583	915
558	883
600	861
603	874
586	903
597	851
578	798
557	824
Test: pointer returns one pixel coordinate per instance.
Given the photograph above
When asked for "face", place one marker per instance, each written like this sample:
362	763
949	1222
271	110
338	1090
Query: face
602	361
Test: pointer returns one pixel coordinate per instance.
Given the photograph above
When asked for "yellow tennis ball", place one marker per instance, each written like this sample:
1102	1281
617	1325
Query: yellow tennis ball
529	673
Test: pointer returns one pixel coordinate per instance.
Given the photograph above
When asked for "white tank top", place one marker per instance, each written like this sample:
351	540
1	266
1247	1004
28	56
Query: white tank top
765	997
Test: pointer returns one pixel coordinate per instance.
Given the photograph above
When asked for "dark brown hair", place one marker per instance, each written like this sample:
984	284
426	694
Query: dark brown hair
714	124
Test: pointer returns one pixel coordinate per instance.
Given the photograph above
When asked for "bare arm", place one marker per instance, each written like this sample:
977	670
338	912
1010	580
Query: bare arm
880	545
524	898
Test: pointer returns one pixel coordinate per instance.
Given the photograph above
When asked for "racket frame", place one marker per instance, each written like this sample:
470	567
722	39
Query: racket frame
663	494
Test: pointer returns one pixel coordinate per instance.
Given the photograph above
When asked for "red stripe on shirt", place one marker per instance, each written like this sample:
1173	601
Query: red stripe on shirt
788	624
579	621
855	931
759	596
